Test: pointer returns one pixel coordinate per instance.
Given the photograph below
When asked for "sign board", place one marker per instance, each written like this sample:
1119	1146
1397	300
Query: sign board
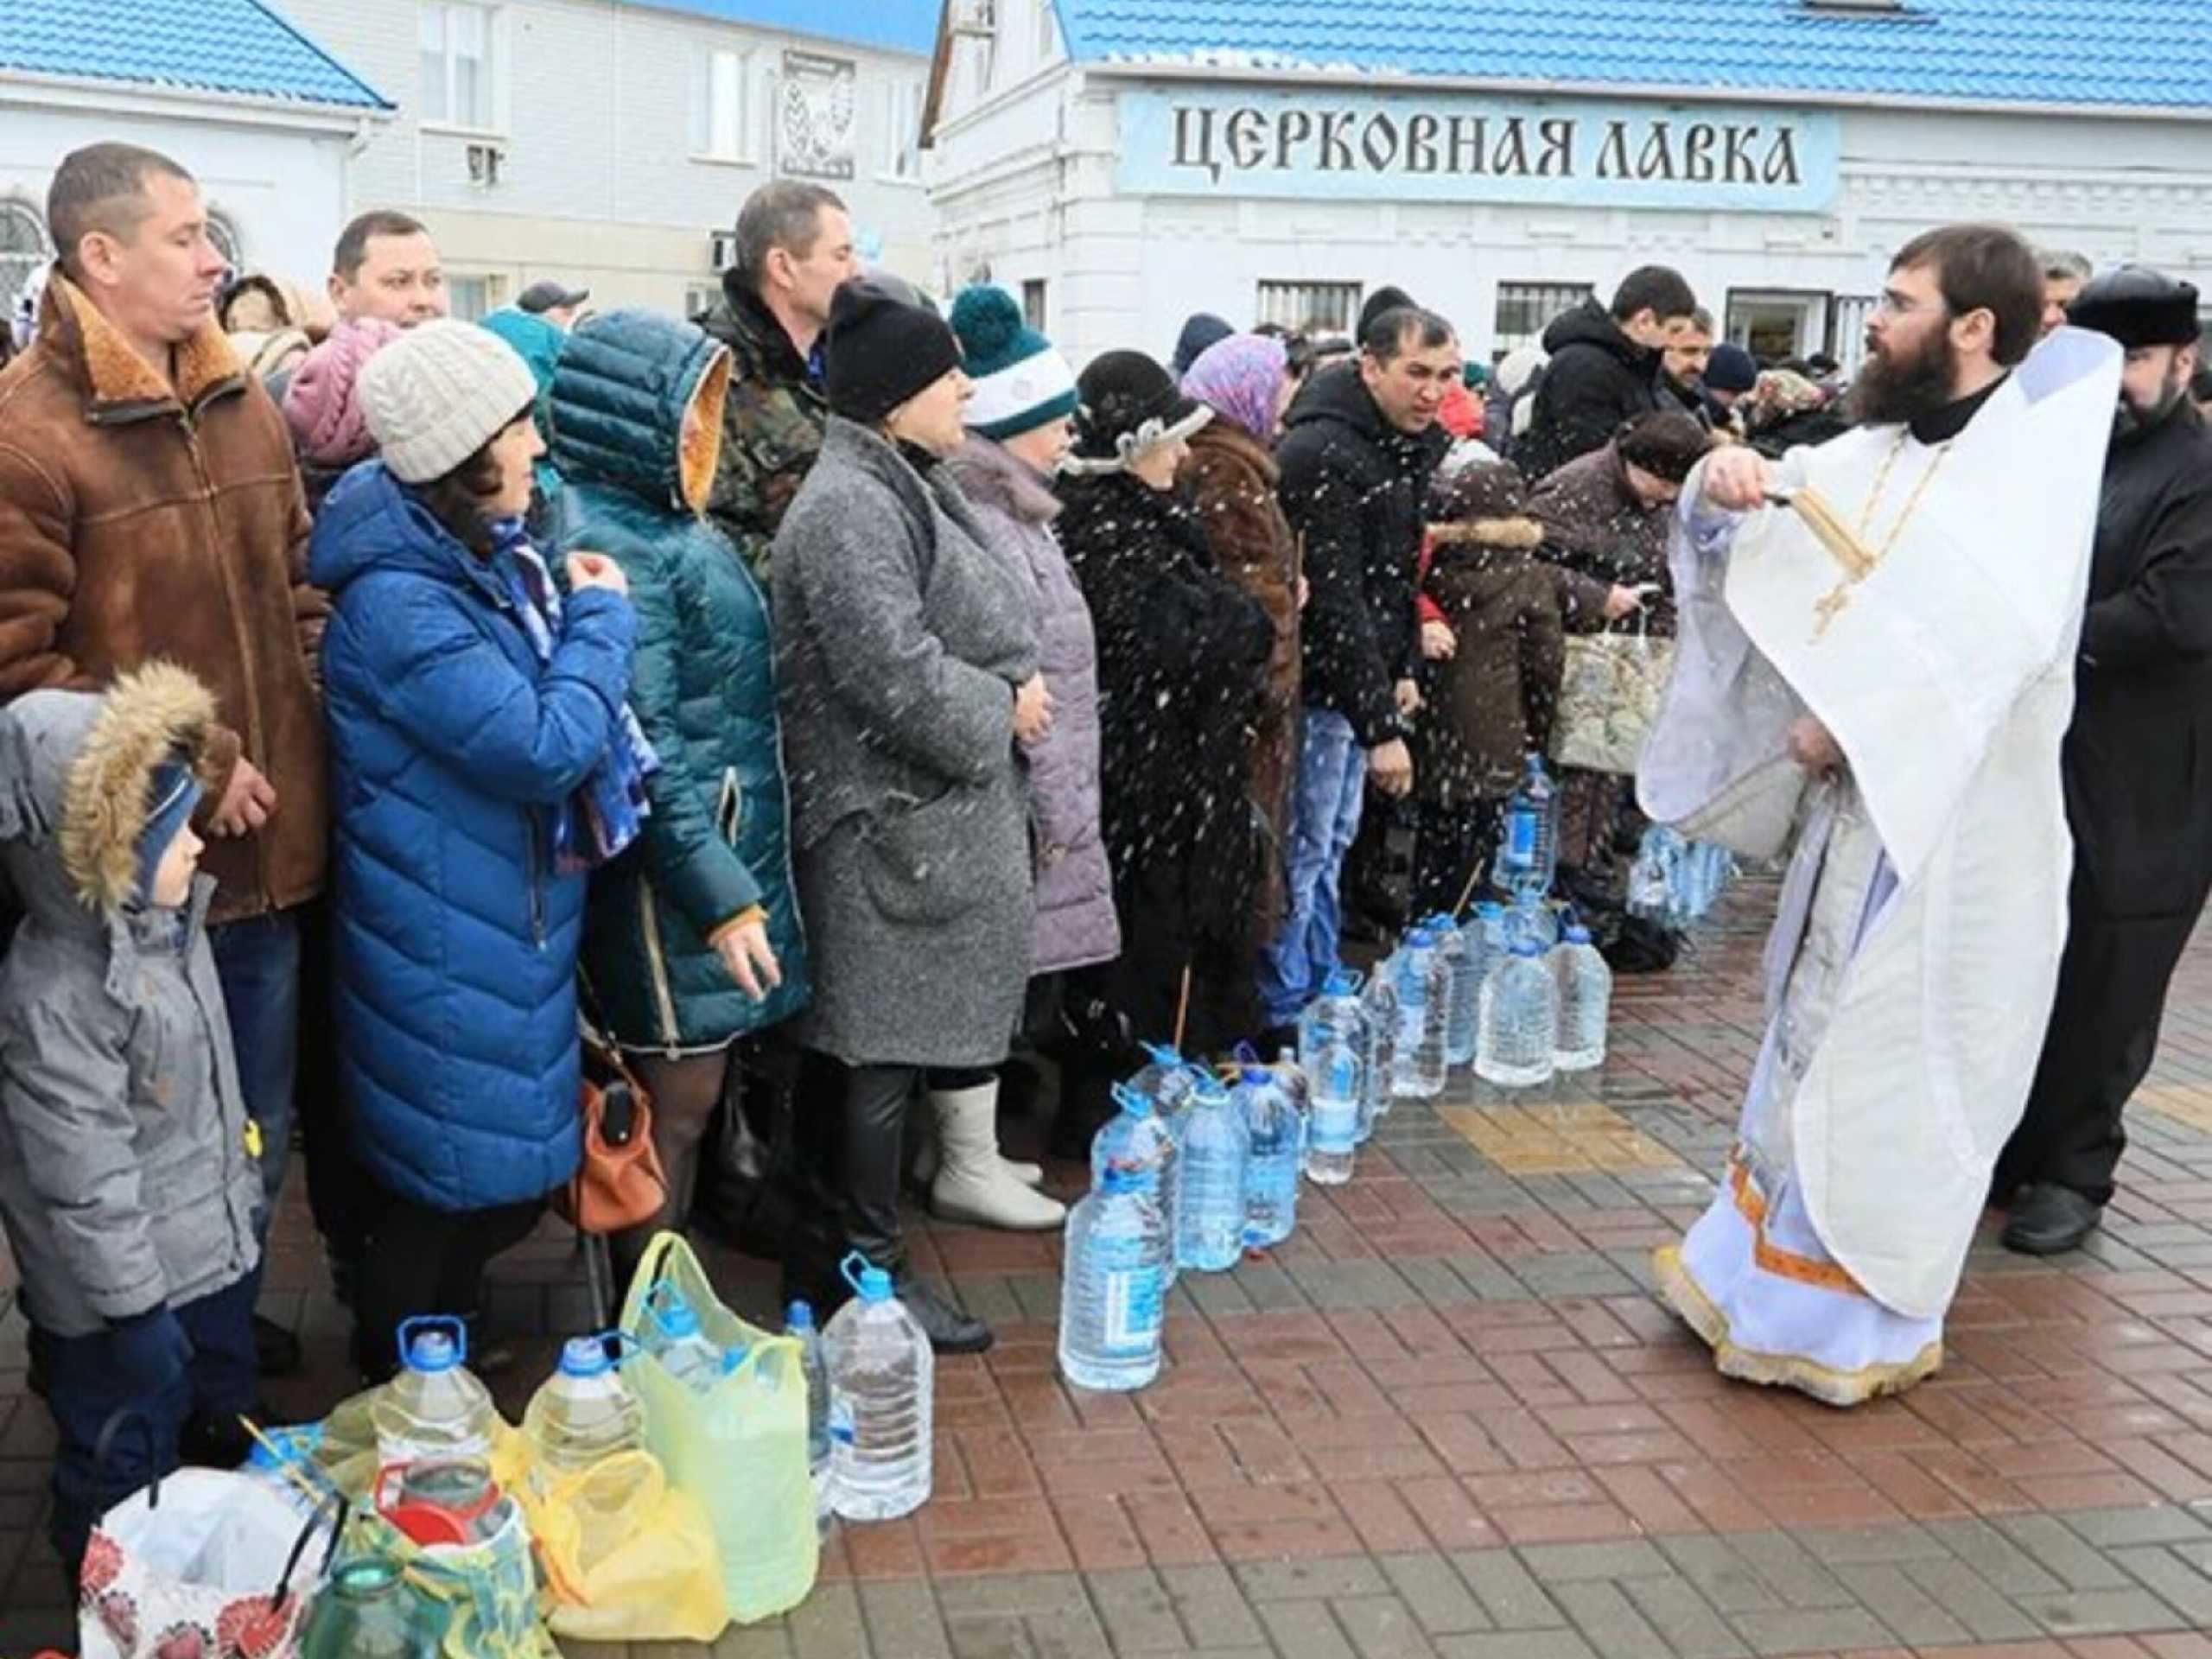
1228	142
814	126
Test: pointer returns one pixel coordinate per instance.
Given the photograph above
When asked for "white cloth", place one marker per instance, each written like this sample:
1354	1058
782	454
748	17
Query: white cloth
1946	681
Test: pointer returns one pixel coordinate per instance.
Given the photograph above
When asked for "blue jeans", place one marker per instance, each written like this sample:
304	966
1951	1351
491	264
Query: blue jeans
258	961
85	1386
1324	820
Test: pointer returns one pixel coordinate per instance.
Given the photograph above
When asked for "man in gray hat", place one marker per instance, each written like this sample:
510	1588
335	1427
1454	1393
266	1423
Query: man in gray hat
2138	798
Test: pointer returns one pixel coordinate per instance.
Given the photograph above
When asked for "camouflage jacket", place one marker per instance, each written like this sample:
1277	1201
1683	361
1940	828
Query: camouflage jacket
772	425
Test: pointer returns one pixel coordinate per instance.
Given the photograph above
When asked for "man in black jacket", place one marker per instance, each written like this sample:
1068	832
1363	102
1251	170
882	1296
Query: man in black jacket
1355	463
2138	793
1607	367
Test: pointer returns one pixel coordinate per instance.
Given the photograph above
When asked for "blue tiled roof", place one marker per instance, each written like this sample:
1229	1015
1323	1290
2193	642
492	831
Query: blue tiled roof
2144	54
908	26
237	46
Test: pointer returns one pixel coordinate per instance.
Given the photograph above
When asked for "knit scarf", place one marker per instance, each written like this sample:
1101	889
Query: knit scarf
610	806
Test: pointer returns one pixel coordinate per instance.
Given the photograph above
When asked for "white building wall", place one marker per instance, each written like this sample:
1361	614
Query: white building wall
281	189
1025	182
598	183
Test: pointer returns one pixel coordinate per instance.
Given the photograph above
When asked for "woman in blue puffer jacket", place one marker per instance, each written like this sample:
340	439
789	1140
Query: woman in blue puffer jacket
480	759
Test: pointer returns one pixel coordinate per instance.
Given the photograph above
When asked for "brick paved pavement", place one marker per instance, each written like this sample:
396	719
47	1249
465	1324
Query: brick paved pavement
1447	1421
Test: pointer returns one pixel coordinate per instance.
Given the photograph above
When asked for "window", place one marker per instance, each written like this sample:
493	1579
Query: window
1776	324
719	129
699	298
1047	36
458	85
1526	309
902	130
225	236
24	248
473	297
1313	307
1032	303
1848	316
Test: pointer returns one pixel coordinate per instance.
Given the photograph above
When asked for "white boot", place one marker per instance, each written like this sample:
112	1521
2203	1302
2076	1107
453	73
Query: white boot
926	1160
973	1183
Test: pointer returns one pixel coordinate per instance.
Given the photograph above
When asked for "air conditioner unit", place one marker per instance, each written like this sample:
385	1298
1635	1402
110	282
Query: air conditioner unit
977	17
484	163
722	248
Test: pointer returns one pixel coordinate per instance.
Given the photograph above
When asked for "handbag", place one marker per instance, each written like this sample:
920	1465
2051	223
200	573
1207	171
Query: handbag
619	1183
1608	699
202	1561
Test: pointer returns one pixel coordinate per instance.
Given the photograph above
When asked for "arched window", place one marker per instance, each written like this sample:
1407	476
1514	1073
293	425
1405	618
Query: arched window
225	236
25	247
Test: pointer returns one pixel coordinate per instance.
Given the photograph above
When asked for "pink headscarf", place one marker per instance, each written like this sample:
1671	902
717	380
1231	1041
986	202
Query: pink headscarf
1241	378
325	416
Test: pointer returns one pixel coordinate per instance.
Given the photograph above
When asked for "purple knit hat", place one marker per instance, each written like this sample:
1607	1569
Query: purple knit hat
1241	377
320	404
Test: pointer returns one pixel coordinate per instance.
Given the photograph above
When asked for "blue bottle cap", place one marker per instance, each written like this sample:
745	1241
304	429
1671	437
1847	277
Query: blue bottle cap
432	1343
1526	948
1133	1100
585	1356
671	1312
1342	982
873	1283
799	1316
1576	934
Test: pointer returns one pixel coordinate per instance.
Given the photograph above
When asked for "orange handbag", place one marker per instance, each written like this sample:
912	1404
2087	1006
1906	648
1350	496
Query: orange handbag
621	1184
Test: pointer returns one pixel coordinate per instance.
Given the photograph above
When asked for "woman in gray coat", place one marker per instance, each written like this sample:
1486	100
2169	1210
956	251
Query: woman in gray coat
906	661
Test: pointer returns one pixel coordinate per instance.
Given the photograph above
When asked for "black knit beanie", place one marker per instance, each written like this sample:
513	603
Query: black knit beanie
883	347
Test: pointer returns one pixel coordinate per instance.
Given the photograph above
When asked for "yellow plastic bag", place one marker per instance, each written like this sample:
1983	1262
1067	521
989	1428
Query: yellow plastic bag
625	1557
740	1447
347	1455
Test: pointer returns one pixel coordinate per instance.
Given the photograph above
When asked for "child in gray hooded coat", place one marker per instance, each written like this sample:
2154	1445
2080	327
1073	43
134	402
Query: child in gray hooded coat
128	1166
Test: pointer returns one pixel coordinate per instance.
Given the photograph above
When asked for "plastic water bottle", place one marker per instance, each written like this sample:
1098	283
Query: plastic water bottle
1140	1143
1528	852
689	1355
1275	1135
1114	1292
436	1410
1424	1009
1294	1082
1209	1195
1379	1051
584	1412
1586	998
882	1381
1466	954
1649	895
1167	1079
814	1366
1520	1017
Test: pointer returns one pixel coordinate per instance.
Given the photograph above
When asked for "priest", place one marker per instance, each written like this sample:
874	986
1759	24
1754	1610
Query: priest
2137	768
1876	662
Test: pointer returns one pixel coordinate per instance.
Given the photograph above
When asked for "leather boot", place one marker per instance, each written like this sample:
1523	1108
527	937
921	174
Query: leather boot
973	1182
950	1331
2050	1219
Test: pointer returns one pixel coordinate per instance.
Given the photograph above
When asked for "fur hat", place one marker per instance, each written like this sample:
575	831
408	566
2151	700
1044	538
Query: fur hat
1126	404
1666	443
439	393
2137	306
1477	498
1021	381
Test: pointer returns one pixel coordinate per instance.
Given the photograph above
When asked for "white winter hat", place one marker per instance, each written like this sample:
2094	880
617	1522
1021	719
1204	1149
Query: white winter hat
438	394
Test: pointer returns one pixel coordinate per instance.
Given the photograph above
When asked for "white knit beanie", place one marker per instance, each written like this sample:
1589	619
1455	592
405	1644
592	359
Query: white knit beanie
438	394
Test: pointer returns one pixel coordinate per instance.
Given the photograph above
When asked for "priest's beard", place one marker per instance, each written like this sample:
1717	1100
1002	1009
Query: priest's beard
1891	391
2134	418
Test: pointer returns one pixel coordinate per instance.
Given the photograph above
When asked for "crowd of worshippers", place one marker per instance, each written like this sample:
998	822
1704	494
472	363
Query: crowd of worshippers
832	701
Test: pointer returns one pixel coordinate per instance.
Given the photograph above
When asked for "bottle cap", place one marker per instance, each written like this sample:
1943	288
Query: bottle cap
432	1343
1526	948
585	1356
1577	933
873	1283
1133	1100
799	1316
1342	982
671	1312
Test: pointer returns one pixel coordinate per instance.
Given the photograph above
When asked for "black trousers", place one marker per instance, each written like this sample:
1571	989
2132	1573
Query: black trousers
420	1260
2103	1034
1452	843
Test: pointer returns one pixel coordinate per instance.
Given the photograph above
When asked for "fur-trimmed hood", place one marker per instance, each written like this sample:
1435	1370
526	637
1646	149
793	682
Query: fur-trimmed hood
75	774
1525	533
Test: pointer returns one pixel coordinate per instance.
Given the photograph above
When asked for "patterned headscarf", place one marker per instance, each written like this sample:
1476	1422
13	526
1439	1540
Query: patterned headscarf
1241	377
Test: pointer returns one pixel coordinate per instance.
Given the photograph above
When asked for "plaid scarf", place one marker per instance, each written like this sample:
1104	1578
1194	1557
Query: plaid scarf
610	806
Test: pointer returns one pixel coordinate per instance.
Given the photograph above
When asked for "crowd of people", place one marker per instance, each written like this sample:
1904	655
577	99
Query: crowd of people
831	701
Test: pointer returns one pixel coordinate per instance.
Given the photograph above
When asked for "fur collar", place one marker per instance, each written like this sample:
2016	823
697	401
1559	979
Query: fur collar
992	477
1233	440
116	381
1488	533
146	717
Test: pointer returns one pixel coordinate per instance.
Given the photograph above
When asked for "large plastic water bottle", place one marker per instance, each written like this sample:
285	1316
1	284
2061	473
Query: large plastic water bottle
1210	1194
584	1412
1139	1141
1167	1079
1424	1009
1520	1017
435	1410
814	1366
882	1384
1467	955
1528	852
1378	1005
674	1337
1275	1135
1585	999
1114	1292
